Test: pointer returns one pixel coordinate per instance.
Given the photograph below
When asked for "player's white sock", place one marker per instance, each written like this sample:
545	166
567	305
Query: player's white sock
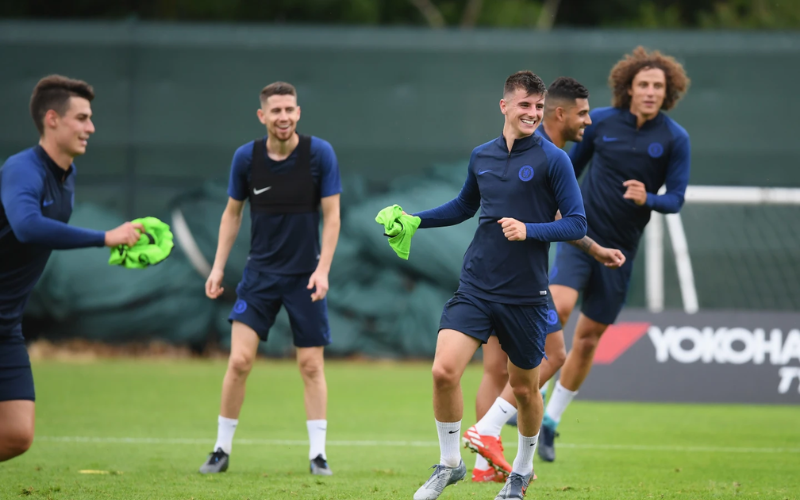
481	463
559	401
225	429
492	423
523	464
449	443
317	430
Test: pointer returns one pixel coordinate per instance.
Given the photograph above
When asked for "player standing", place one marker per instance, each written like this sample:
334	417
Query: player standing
37	190
635	149
519	182
566	115
286	177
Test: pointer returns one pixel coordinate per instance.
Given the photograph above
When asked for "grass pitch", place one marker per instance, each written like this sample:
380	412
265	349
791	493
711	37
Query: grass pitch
139	429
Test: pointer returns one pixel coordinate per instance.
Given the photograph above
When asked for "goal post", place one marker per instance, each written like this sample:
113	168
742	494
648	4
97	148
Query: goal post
655	233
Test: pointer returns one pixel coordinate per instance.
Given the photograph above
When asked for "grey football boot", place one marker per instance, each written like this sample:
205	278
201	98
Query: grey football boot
217	462
441	478
319	466
515	487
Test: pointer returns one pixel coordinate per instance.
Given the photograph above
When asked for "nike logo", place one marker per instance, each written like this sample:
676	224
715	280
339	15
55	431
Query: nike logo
47	203
609	139
501	409
322	428
452	432
483	172
533	444
259	191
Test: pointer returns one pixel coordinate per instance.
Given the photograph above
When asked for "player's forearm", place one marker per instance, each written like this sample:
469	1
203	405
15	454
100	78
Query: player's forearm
668	203
585	244
228	231
330	237
451	213
39	230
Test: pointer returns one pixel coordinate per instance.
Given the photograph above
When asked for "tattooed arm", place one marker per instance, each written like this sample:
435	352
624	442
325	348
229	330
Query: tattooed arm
610	257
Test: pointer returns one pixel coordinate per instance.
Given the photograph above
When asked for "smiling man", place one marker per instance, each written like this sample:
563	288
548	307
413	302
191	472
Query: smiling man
37	190
519	182
566	115
286	177
635	149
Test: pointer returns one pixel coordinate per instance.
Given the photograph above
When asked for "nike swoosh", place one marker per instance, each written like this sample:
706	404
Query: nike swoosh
609	139
259	191
322	428
452	432
503	410
483	172
47	203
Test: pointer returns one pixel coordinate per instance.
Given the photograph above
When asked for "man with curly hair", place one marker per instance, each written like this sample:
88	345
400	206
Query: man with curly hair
635	149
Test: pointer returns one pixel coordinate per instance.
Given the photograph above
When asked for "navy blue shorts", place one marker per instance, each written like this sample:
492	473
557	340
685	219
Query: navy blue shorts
16	377
520	329
553	321
604	290
260	296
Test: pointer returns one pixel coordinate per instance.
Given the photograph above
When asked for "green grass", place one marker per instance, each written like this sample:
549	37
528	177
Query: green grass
607	450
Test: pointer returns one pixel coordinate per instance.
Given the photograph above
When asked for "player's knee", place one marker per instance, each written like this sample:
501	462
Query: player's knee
240	364
558	357
16	443
524	394
444	377
586	345
311	369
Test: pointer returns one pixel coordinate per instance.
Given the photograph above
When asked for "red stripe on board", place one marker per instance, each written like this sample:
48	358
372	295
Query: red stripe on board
617	339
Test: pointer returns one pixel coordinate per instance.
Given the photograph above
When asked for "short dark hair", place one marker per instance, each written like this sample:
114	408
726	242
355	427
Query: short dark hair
277	88
53	92
567	89
527	81
622	74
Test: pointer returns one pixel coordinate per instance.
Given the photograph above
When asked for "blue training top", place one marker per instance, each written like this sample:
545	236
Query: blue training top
657	153
37	198
529	183
285	243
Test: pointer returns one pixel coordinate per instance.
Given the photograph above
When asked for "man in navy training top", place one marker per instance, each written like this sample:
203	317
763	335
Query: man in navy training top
37	190
566	115
286	177
519	182
635	149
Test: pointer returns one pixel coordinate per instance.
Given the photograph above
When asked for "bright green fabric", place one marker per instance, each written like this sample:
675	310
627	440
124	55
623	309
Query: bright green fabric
154	245
399	227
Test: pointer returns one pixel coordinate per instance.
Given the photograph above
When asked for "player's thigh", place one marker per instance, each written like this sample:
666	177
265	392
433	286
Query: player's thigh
258	302
554	345
308	319
522	330
495	359
606	293
465	324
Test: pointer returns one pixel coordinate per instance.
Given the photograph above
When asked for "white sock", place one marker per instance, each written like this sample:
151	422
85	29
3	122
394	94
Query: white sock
559	401
481	463
492	423
523	464
449	443
316	437
225	429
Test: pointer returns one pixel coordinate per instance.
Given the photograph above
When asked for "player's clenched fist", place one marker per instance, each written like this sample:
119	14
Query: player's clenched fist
635	192
126	234
513	229
214	284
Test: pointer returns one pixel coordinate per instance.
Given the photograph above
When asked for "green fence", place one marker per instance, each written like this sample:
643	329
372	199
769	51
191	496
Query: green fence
174	101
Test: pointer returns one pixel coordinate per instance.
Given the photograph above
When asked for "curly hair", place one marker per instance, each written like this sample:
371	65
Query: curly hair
623	73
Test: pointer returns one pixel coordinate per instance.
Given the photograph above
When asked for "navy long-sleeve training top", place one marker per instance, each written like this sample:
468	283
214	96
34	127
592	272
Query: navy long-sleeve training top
656	154
37	197
530	184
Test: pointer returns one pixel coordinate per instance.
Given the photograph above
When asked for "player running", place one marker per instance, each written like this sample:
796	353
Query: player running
566	115
286	177
635	149
519	182
37	190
